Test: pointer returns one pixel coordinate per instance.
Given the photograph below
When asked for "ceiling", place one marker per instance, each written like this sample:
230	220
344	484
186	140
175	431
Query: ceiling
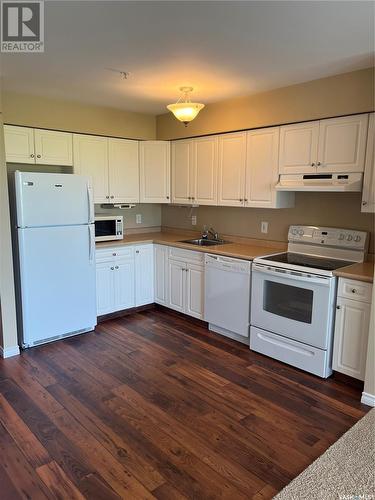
223	49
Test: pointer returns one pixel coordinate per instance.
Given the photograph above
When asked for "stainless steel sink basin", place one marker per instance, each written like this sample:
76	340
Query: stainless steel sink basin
202	242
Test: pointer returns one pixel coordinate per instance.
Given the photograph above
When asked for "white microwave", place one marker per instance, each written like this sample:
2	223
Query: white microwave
109	227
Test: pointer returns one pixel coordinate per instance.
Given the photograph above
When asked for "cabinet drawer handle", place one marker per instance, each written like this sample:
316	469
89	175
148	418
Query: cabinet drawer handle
354	290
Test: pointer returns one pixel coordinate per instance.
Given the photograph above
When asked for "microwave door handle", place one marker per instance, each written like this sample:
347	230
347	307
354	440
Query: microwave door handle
91	242
90	203
287	274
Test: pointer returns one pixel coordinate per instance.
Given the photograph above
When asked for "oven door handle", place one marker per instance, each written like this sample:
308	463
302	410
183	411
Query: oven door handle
291	275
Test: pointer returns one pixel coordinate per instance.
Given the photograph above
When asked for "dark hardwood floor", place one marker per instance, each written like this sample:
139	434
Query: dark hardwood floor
152	405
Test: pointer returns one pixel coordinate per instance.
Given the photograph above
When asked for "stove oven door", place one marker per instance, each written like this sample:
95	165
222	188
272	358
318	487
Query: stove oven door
293	304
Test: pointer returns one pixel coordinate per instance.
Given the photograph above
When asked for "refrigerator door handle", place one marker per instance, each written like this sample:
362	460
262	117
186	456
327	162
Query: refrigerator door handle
90	203
91	242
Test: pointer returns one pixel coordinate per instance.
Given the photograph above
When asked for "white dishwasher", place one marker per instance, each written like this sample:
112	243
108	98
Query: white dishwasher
227	296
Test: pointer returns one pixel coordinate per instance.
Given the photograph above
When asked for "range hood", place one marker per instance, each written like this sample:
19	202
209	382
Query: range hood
320	182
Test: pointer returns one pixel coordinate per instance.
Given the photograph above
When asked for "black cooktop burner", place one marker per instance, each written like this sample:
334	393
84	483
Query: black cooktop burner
297	259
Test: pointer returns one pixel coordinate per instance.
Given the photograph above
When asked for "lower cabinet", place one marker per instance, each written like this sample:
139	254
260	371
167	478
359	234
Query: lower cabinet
352	328
124	278
185	284
160	274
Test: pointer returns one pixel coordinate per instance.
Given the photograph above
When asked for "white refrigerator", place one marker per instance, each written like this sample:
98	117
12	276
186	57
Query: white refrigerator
55	258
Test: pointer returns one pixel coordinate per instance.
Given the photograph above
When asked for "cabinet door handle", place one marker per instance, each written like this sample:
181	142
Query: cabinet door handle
32	155
107	197
313	164
114	254
38	156
116	267
338	307
241	200
318	163
245	199
112	197
167	197
364	203
112	268
137	251
354	290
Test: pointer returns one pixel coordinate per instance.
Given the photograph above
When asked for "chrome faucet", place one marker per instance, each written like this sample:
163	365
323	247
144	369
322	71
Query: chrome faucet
211	231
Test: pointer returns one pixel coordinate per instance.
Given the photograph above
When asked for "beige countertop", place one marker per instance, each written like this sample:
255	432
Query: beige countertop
246	251
363	271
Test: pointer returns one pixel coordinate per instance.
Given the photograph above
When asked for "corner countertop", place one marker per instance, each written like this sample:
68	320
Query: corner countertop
247	251
362	271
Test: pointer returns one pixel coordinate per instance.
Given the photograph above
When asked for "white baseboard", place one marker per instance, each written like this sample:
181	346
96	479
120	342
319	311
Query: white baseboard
368	399
8	352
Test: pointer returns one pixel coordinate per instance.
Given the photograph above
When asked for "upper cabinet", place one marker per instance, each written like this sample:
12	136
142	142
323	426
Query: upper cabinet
262	171
38	146
154	171
91	158
123	171
182	172
232	164
368	193
325	146
112	165
298	148
342	144
194	171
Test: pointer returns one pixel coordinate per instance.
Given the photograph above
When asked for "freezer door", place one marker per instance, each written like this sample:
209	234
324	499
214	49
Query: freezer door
57	272
53	199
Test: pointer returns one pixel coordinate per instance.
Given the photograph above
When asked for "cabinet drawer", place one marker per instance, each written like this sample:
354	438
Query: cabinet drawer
355	290
186	255
110	253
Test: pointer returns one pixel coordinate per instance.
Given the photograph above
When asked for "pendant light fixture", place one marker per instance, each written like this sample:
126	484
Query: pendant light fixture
185	110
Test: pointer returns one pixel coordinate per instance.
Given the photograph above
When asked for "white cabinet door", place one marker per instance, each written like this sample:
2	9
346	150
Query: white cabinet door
19	144
123	171
91	158
342	144
182	172
262	167
176	285
161	274
299	148
194	291
205	170
53	148
154	171
368	193
144	275
351	335
124	284
104	287
232	164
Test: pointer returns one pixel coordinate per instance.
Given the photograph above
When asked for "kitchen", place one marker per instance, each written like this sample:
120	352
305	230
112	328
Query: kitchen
184	219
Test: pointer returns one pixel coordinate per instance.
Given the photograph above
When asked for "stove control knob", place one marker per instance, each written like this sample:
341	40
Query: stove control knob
294	231
357	238
301	232
349	237
342	236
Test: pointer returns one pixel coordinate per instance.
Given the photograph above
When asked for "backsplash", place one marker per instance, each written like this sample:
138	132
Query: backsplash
324	209
151	215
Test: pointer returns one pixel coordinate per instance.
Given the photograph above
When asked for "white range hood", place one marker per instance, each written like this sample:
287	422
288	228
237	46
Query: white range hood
320	182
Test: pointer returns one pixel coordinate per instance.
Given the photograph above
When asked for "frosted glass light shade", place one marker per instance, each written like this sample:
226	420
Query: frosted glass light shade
185	111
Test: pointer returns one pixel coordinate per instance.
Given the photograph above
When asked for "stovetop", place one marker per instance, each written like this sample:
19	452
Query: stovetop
308	261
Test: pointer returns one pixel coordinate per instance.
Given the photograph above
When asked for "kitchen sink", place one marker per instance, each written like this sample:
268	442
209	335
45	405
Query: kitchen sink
202	242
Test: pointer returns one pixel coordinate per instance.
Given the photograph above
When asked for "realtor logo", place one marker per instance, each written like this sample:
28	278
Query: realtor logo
22	26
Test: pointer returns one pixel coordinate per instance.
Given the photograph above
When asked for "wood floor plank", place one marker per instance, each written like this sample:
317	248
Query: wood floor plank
153	405
57	482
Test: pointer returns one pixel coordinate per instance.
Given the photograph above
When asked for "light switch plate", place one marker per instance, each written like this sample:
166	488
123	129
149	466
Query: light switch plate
138	218
194	220
264	227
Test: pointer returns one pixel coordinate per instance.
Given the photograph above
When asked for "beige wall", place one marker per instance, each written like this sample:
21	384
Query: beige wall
8	326
151	215
329	209
337	95
34	111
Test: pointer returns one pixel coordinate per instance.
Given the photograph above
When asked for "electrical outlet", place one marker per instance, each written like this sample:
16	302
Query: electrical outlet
194	220
264	227
138	218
